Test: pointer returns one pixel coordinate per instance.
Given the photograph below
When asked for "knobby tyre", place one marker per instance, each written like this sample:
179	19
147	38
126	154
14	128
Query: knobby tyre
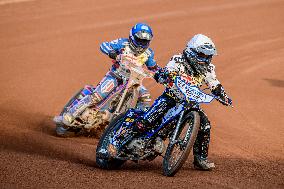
62	130
109	163
177	152
70	101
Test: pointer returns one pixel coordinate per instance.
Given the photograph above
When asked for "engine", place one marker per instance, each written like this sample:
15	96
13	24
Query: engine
137	147
94	118
145	149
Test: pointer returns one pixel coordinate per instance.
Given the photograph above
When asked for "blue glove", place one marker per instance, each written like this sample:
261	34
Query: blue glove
112	54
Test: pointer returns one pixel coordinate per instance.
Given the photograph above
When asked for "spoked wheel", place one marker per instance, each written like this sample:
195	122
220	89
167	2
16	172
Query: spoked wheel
70	101
106	162
63	130
180	147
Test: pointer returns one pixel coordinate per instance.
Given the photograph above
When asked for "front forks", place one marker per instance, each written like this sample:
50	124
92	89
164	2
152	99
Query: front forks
173	138
122	100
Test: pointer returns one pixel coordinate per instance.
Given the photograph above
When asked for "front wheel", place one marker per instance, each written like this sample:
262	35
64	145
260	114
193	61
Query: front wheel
63	130
105	162
180	147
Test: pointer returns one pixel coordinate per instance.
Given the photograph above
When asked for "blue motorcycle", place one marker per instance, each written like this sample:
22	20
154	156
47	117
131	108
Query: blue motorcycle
175	134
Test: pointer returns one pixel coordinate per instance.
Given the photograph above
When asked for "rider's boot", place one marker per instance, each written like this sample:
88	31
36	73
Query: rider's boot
65	131
203	163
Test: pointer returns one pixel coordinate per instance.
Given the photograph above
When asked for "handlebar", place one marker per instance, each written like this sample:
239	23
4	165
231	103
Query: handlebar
131	62
193	93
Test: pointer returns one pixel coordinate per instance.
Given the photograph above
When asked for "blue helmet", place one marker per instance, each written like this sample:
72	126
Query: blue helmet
140	37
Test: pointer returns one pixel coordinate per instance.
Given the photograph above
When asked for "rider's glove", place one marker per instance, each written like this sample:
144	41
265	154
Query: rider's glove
112	54
165	77
157	75
222	96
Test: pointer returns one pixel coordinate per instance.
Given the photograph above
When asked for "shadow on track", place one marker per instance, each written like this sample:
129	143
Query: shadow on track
33	133
275	82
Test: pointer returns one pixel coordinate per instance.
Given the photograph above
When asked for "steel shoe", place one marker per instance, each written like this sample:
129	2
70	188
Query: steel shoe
203	164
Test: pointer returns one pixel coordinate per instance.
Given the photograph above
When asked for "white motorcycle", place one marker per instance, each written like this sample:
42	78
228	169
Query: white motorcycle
81	116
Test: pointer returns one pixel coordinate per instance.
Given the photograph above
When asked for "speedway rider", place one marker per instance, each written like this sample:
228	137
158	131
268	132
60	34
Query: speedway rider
195	64
138	45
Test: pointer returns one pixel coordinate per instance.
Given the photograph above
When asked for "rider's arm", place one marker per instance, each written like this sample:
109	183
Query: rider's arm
151	62
166	75
216	87
210	77
112	49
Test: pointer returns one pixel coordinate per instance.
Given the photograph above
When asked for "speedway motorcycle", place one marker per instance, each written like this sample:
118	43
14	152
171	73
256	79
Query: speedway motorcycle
175	134
81	116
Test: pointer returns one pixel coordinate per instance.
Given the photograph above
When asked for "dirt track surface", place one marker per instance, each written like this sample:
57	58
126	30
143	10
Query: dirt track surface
50	49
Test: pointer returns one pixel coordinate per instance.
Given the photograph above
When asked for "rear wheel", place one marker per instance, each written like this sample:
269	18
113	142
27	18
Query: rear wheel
179	148
106	162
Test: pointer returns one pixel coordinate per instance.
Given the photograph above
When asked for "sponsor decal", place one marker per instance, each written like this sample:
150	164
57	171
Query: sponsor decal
178	59
129	120
193	93
172	113
188	79
107	86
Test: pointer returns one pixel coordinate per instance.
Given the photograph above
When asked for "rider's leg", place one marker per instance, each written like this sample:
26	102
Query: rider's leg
105	87
201	145
144	99
160	107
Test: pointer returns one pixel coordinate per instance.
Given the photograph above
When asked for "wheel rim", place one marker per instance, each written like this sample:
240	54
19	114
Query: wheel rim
179	146
176	153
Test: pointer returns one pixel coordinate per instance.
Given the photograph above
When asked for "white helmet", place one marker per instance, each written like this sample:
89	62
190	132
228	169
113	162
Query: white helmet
199	50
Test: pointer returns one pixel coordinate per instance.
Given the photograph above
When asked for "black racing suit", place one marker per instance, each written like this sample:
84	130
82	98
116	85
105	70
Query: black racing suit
178	65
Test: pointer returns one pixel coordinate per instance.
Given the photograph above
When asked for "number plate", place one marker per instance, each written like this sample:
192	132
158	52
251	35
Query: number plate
191	92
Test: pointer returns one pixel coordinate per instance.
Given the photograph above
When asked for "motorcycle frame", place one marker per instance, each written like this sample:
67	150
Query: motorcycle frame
134	81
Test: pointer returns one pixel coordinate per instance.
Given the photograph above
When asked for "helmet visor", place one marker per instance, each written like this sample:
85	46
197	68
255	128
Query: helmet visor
141	42
203	58
142	39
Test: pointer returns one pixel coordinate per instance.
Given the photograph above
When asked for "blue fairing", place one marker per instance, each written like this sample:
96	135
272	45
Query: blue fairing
126	126
171	115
